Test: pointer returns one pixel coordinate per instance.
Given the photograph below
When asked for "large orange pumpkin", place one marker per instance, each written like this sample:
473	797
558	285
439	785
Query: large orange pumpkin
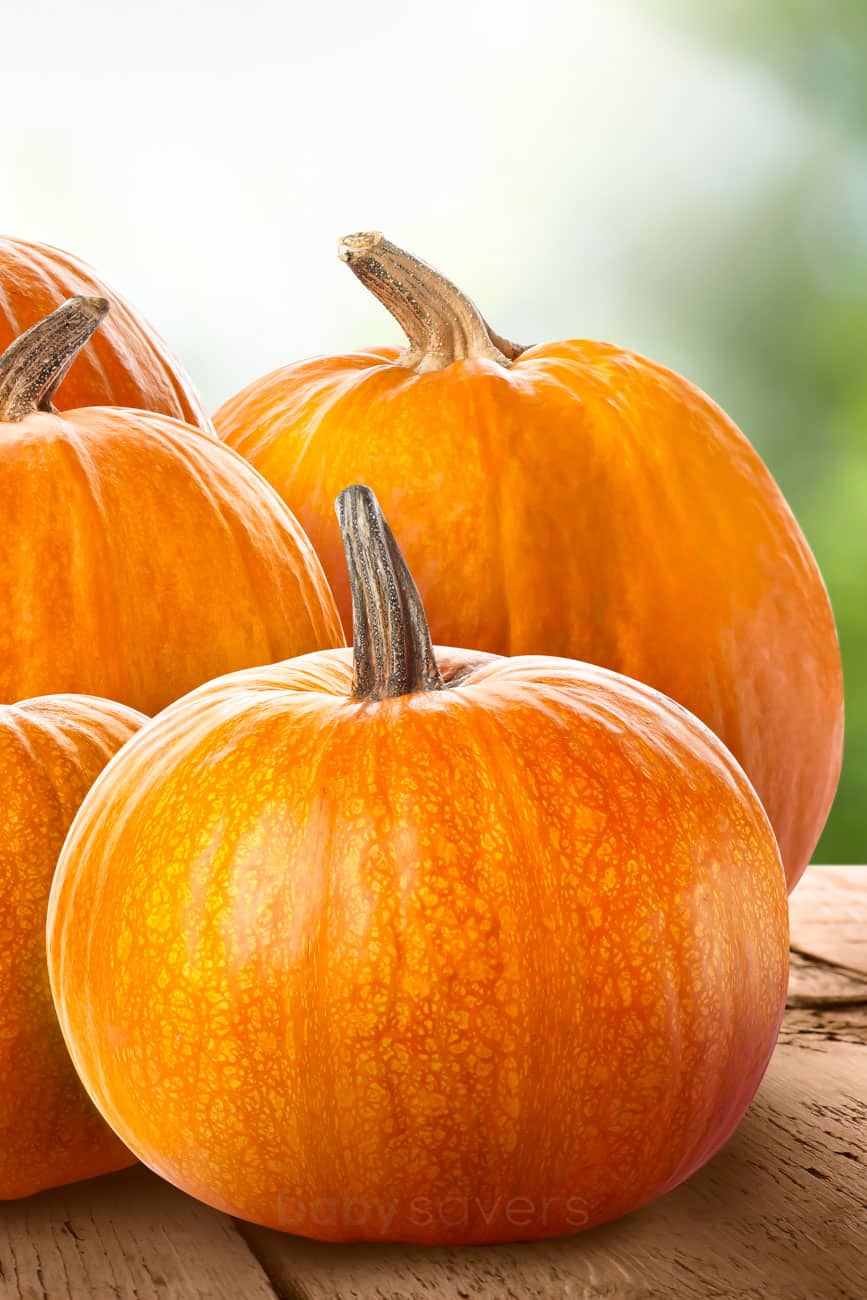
572	499
127	365
140	558
51	750
416	945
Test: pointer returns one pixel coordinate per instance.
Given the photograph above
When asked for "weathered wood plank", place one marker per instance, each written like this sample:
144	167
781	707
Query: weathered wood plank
828	977
828	915
129	1236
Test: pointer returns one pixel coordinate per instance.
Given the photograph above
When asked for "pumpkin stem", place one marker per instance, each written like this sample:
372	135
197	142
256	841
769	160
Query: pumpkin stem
34	366
441	323
392	651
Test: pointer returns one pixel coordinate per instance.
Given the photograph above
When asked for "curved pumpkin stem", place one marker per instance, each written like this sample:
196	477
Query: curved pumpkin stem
392	651
441	323
34	366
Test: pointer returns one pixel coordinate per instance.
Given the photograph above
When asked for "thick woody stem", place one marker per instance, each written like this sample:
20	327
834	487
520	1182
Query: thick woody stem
392	651
441	323
33	367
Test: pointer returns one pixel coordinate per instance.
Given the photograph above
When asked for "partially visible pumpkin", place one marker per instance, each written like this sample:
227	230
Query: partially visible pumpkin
571	499
139	559
127	365
420	945
51	751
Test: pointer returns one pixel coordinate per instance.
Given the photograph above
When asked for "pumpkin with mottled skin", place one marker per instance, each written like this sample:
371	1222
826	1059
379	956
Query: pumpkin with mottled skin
404	945
51	751
574	499
128	364
140	558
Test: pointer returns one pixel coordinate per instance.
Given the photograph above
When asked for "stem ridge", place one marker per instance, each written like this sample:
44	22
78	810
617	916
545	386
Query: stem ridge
392	650
440	322
34	366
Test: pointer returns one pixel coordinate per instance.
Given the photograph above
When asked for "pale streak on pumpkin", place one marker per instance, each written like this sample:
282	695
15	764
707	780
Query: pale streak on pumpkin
140	560
126	364
524	936
51	751
584	502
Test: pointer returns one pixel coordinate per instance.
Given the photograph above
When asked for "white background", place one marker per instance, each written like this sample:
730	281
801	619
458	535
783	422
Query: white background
205	157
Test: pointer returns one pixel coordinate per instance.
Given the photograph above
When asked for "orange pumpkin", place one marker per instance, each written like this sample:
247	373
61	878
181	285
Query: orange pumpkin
51	750
128	364
140	558
416	945
573	499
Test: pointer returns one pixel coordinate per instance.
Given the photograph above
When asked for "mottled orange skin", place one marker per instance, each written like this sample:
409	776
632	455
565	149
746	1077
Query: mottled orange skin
359	970
140	560
126	364
585	502
51	751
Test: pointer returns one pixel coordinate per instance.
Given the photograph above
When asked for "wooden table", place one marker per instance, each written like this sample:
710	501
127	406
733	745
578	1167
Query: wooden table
780	1213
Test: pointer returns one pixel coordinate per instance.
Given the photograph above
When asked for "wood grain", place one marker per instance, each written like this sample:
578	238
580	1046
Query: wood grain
779	1214
129	1236
828	915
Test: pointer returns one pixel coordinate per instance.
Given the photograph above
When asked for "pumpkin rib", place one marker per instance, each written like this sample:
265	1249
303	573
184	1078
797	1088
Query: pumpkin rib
146	337
51	748
131	362
146	510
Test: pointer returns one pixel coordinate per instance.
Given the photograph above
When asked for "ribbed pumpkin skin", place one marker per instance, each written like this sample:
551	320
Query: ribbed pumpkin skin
140	560
128	364
398	970
585	502
51	751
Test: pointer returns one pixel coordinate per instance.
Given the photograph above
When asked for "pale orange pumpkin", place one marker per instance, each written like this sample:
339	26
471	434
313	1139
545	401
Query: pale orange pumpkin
128	364
51	750
576	499
420	945
140	557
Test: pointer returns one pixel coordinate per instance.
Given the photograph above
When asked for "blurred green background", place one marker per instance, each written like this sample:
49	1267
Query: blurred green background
688	180
784	344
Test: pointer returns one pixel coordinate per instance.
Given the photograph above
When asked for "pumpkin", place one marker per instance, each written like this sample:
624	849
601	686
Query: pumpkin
51	750
573	499
405	944
128	364
140	558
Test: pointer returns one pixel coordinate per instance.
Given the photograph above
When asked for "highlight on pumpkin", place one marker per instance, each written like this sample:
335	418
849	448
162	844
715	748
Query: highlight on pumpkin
498	924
